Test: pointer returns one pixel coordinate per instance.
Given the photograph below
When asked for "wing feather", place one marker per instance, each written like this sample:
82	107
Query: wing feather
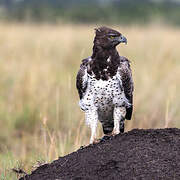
81	78
127	83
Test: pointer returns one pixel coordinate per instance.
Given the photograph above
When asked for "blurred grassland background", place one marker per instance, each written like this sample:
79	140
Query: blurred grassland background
40	119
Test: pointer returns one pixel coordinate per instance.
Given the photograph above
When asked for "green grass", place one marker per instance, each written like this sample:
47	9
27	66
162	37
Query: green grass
40	119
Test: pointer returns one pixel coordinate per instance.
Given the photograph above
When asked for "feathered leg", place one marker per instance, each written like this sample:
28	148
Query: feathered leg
92	120
119	118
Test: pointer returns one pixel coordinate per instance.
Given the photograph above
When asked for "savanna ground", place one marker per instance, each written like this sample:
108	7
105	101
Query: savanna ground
135	155
40	119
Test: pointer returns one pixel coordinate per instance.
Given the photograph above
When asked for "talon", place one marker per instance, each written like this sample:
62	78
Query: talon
95	141
115	133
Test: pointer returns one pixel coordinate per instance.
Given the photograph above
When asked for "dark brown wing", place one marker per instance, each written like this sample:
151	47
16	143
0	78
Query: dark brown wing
127	83
81	78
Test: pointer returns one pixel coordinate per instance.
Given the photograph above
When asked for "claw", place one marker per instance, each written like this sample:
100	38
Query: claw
95	141
114	133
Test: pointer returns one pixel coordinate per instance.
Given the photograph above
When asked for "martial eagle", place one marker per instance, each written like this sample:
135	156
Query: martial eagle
105	86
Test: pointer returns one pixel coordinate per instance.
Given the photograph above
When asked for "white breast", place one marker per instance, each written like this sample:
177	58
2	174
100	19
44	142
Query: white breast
103	95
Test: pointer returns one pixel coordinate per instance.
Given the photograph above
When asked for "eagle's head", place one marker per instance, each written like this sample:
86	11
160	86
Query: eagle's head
108	38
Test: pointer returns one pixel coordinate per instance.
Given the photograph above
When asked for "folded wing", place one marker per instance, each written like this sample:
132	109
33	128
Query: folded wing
82	78
127	83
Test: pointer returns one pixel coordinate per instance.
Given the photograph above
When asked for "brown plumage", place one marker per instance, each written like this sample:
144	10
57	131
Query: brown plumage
106	67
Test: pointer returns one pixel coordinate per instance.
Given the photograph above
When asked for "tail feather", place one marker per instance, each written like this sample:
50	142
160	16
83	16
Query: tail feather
129	113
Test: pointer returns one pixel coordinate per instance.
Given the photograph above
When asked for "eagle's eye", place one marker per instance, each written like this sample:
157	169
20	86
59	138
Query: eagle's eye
112	37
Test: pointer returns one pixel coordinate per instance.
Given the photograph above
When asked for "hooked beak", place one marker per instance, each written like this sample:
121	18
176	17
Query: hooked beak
122	39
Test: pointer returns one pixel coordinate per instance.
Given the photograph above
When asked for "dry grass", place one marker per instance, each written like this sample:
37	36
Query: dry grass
39	114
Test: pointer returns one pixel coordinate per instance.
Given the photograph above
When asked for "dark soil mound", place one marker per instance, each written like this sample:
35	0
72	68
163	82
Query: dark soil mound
135	155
